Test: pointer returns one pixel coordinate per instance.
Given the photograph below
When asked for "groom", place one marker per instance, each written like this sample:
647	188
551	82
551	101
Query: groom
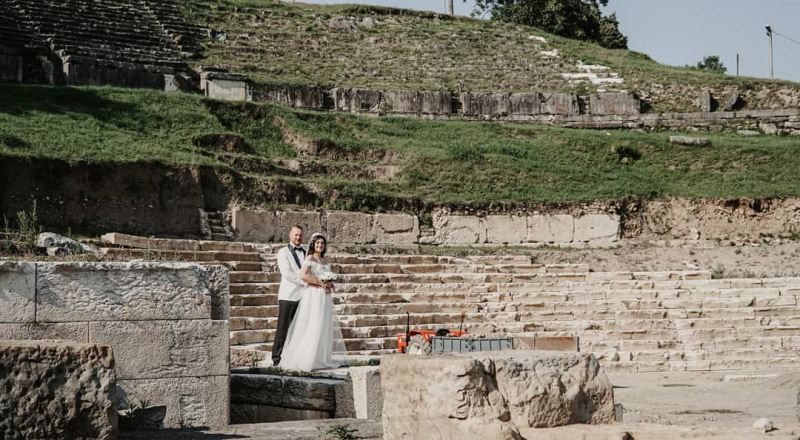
290	260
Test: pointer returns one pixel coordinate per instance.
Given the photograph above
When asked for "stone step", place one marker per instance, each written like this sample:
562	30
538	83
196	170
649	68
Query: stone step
254	289
166	244
254	277
765	363
253	300
237	266
192	256
567	310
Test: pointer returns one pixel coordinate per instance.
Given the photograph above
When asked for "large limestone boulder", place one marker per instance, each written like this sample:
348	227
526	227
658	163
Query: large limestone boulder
492	395
56	389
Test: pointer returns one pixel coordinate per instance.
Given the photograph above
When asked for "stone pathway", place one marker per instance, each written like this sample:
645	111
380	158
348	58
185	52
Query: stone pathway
300	430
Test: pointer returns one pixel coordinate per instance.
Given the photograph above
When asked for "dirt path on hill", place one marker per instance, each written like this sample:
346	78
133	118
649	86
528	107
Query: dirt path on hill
728	261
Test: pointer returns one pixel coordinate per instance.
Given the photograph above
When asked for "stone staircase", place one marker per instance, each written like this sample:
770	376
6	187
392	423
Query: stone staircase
216	226
634	321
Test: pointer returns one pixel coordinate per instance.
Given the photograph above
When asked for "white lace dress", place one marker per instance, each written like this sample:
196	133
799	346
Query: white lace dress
313	332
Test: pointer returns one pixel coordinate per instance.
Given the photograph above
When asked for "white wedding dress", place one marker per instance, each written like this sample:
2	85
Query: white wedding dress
313	335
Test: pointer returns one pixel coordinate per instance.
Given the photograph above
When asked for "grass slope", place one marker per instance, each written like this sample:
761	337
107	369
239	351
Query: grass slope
439	162
386	48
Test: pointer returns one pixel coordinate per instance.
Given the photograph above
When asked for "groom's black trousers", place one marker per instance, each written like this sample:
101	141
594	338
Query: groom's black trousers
286	311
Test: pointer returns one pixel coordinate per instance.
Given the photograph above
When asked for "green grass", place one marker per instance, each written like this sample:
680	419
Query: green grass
397	49
101	124
439	162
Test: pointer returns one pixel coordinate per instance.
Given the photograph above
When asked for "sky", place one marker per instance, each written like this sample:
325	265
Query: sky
681	32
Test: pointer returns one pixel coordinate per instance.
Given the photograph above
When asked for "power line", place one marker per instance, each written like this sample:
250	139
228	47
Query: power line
784	36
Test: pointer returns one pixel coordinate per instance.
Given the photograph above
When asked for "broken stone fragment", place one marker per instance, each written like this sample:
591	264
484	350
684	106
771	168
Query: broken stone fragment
763	424
689	140
60	246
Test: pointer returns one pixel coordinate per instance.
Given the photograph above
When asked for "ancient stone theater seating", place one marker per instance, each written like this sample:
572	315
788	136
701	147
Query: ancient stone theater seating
134	43
633	321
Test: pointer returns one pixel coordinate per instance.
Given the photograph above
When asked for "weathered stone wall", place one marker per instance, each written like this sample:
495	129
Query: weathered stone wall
266	226
144	198
596	224
491	395
605	110
710	219
56	389
293	96
166	322
448	228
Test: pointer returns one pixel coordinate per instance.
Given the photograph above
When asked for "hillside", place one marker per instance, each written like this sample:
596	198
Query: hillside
396	49
277	155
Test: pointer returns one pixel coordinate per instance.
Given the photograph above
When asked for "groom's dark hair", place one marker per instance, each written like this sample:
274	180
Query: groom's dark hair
311	246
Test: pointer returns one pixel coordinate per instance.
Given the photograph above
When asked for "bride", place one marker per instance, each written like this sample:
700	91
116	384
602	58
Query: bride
313	335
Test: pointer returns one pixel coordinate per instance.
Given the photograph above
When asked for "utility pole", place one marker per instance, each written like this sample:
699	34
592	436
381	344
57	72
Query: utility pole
450	7
771	65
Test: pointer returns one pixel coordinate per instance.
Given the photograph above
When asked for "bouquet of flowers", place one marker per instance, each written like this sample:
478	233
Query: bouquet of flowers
327	276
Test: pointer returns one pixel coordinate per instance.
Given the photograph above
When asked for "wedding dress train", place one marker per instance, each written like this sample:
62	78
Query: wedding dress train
313	335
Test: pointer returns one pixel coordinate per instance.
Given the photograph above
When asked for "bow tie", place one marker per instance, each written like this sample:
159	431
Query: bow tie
299	249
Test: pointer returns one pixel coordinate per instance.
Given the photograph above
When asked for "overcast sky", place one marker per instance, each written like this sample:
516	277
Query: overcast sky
679	32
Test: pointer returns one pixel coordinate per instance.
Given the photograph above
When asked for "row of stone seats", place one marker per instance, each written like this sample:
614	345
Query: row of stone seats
126	31
635	321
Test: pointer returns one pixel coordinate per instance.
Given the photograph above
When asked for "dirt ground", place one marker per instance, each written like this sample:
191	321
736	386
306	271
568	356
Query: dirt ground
705	399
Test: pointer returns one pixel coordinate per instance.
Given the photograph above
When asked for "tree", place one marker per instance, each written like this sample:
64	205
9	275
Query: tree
579	19
712	64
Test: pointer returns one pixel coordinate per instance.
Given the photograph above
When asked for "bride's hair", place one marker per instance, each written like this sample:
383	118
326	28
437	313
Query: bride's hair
312	244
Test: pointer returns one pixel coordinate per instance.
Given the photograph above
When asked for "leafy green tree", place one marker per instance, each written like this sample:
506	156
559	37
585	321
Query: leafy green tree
579	19
712	64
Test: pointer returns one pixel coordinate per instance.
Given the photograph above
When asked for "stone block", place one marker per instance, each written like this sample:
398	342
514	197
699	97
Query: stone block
395	228
402	102
597	228
349	227
524	104
492	395
190	401
458	229
689	140
67	331
510	229
560	104
558	228
614	103
299	96
244	413
163	349
228	88
305	393
357	100
56	389
706	101
436	103
17	292
219	288
484	104
367	394
556	343
70	292
264	226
